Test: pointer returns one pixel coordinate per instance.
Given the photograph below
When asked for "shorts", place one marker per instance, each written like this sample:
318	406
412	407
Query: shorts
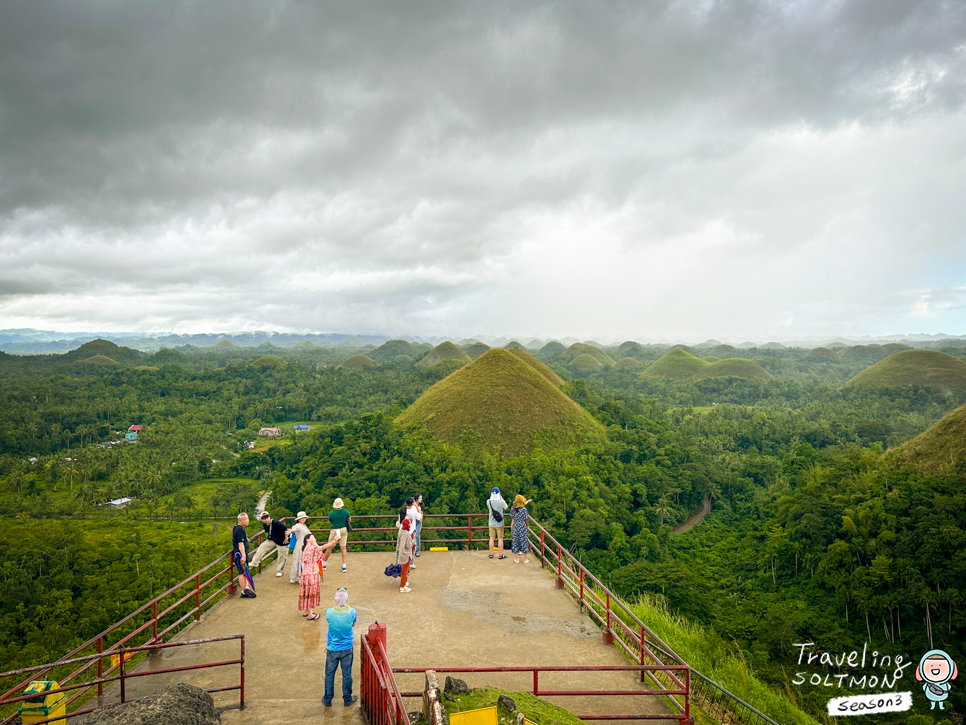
496	531
343	533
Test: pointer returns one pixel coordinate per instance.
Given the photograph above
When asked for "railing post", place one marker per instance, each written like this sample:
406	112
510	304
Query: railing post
536	682
469	533
197	597
581	600
242	675
232	587
123	694
100	666
687	695
641	655
543	549
154	620
560	581
608	634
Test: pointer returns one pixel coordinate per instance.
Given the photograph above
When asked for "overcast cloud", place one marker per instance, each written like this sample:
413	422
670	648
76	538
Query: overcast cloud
641	169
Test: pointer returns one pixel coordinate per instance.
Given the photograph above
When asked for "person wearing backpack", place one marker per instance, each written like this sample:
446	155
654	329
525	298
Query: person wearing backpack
496	506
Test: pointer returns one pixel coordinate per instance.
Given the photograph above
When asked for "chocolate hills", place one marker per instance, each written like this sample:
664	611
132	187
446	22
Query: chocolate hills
476	349
394	348
679	364
500	402
358	362
939	448
735	367
103	349
530	360
443	351
914	367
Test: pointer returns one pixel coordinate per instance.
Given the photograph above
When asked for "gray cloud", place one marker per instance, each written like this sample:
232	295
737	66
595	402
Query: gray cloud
435	167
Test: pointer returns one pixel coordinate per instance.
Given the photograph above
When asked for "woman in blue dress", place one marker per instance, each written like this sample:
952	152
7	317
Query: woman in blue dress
520	543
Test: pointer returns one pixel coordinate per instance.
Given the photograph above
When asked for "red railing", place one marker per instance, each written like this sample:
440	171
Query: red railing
382	703
535	690
124	654
656	660
164	615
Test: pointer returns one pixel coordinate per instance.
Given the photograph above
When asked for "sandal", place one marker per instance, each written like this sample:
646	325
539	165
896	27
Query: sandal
315	615
491	556
502	556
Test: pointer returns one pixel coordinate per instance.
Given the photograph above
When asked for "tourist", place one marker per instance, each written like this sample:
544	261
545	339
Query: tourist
277	534
339	518
417	517
404	552
239	554
296	538
310	582
496	506
338	653
520	529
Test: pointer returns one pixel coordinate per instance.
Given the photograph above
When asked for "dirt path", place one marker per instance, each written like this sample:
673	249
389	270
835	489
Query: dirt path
695	519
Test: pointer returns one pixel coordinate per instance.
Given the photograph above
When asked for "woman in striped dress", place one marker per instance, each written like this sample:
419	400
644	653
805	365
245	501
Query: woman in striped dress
310	583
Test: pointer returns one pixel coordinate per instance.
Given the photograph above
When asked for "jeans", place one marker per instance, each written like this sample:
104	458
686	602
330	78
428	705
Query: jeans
333	659
416	533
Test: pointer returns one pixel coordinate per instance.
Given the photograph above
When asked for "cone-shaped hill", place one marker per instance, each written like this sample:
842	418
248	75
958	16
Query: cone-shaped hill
225	344
823	354
914	367
552	348
941	447
538	366
631	349
580	348
678	364
269	361
99	360
443	351
357	363
104	348
735	367
476	349
501	402
394	348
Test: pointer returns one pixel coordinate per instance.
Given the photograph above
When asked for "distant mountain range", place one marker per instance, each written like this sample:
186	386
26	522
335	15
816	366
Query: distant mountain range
40	342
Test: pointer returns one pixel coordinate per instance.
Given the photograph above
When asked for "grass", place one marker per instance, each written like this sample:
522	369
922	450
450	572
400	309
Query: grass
940	448
394	348
100	360
627	363
442	352
914	367
534	708
500	402
579	348
735	367
678	364
202	491
358	362
536	365
269	361
476	349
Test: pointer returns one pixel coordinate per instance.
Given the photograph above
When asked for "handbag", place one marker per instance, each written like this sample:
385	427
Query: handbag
348	526
394	570
497	516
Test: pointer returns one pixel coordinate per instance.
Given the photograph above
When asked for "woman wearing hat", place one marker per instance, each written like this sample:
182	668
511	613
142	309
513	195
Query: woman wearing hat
339	517
297	536
520	529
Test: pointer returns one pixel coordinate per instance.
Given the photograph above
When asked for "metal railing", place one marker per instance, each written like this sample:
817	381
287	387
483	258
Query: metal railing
535	671
123	656
726	707
382	703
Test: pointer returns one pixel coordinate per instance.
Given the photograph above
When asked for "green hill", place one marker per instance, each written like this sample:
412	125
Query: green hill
266	346
394	348
723	351
268	361
627	363
476	349
99	360
530	360
914	367
514	345
358	362
735	367
552	348
824	354
580	348
678	364
403	360
166	355
940	448
105	348
584	364
501	402
631	349
226	344
305	345
443	351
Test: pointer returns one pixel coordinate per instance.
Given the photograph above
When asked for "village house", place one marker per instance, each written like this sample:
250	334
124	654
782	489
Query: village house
270	432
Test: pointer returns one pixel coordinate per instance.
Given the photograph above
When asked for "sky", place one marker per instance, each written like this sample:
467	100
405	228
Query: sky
610	170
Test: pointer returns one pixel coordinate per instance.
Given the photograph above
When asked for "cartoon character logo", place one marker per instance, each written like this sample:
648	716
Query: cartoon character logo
935	670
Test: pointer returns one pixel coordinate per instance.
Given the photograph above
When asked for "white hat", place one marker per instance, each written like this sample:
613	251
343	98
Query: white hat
301	515
337	504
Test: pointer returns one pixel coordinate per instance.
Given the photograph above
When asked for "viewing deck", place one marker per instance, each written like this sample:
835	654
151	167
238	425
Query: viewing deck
465	610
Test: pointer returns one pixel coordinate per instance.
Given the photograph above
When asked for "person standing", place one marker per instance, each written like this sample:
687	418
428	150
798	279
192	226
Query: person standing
239	554
417	517
341	619
339	517
310	582
496	506
520	529
296	538
277	539
404	552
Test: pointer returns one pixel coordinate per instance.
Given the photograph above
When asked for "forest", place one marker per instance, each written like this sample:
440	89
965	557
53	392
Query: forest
822	530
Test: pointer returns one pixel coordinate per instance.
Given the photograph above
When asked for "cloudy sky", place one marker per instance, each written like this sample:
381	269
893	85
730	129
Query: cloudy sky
644	169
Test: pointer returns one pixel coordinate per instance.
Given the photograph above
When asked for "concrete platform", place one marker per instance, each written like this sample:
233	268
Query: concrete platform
465	610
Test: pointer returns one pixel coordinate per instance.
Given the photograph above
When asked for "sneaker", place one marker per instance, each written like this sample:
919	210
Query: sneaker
278	573
327	704
248	594
352	700
344	569
403	590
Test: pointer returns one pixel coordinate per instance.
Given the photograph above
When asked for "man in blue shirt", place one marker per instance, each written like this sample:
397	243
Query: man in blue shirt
341	619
